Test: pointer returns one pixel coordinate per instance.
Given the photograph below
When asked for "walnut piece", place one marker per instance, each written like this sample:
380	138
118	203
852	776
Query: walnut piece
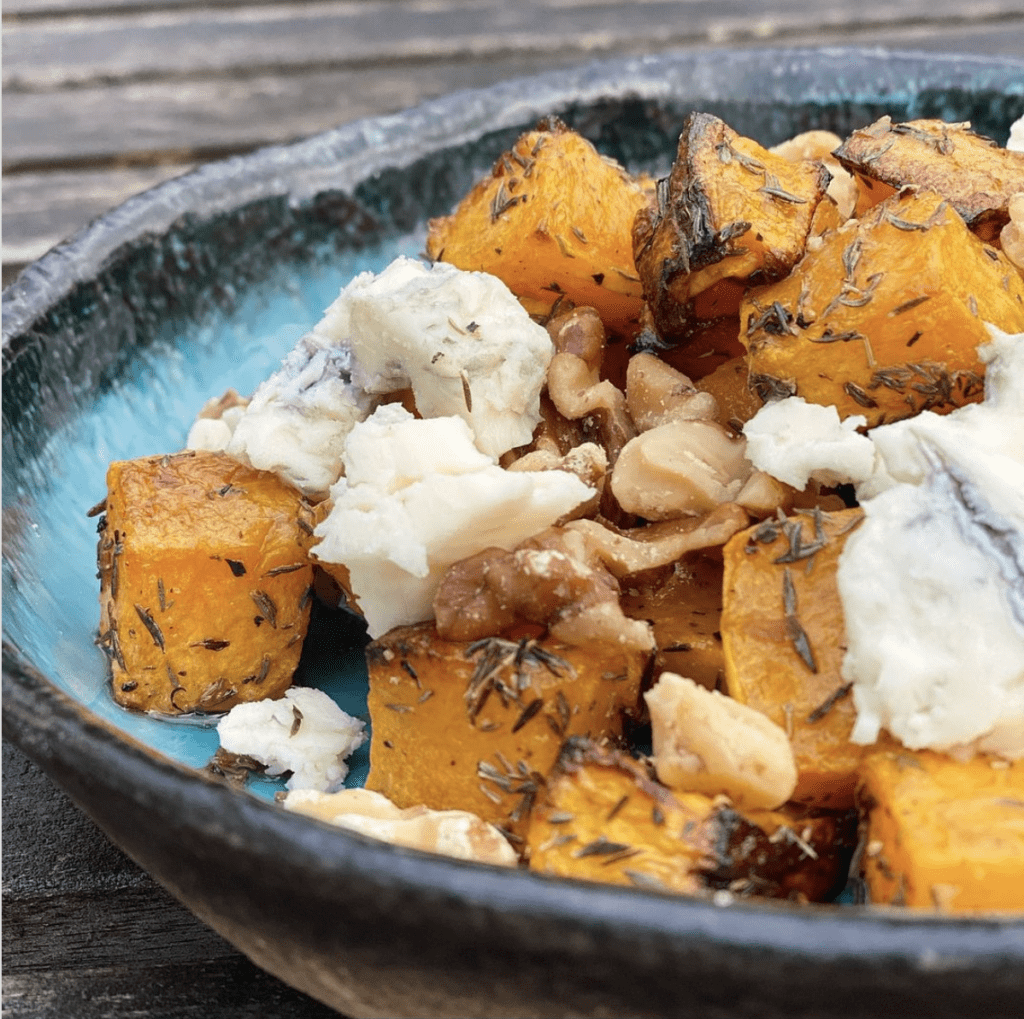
683	468
455	833
588	462
628	552
551	580
574	381
1012	235
707	742
658	394
842	189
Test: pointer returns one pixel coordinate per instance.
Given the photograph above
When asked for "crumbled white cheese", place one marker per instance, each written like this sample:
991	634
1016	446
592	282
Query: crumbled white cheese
796	442
460	340
304	732
297	420
932	583
1016	140
417	496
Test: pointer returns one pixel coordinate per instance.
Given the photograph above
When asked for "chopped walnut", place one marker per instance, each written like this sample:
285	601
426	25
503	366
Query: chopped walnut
707	742
683	468
658	394
842	189
466	607
555	434
761	494
215	407
580	332
551	581
455	833
215	423
574	382
588	462
628	552
1012	236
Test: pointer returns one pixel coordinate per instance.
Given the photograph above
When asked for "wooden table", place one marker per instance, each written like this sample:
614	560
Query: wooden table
103	98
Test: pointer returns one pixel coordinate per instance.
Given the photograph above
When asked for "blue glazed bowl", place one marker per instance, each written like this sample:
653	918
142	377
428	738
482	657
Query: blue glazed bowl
114	339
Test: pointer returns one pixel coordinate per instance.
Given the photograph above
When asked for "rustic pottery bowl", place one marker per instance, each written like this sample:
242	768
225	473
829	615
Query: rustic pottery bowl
111	342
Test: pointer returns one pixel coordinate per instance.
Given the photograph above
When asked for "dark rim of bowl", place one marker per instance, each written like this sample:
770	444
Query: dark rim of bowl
59	732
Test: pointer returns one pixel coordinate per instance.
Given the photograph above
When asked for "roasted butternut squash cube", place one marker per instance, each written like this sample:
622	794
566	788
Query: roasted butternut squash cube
554	220
685	614
604	818
944	834
730	212
783	637
205	582
975	175
884	318
476	726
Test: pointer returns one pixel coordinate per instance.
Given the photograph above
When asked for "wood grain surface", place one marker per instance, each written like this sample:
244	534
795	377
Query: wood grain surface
104	98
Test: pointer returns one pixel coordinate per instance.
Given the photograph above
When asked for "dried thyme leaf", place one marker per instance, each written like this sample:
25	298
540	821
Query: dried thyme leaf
529	711
829	703
212	645
150	624
266	606
236	768
601	846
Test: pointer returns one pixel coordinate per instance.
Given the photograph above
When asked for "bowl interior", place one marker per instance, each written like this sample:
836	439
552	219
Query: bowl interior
117	338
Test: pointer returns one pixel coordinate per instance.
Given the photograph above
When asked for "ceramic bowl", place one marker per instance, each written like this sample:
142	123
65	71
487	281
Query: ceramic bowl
112	341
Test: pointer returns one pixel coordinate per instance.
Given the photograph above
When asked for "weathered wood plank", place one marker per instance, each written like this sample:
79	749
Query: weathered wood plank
105	125
87	934
203	989
40	209
62	53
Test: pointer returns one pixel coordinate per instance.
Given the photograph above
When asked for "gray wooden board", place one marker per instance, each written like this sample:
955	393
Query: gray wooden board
87	934
146	121
70	155
59	53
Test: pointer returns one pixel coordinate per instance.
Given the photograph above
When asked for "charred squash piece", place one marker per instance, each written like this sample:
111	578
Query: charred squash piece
477	726
604	818
205	582
944	834
730	213
685	613
783	637
553	220
702	346
884	318
975	175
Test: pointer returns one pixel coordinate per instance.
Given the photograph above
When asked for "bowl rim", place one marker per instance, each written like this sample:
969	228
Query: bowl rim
58	732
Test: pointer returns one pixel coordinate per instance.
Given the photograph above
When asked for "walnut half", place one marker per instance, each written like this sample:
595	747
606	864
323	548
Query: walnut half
455	833
547	581
707	742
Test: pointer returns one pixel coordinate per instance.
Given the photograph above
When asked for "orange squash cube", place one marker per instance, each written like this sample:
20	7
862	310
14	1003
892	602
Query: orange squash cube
205	582
553	220
604	818
783	636
885	317
477	725
944	834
